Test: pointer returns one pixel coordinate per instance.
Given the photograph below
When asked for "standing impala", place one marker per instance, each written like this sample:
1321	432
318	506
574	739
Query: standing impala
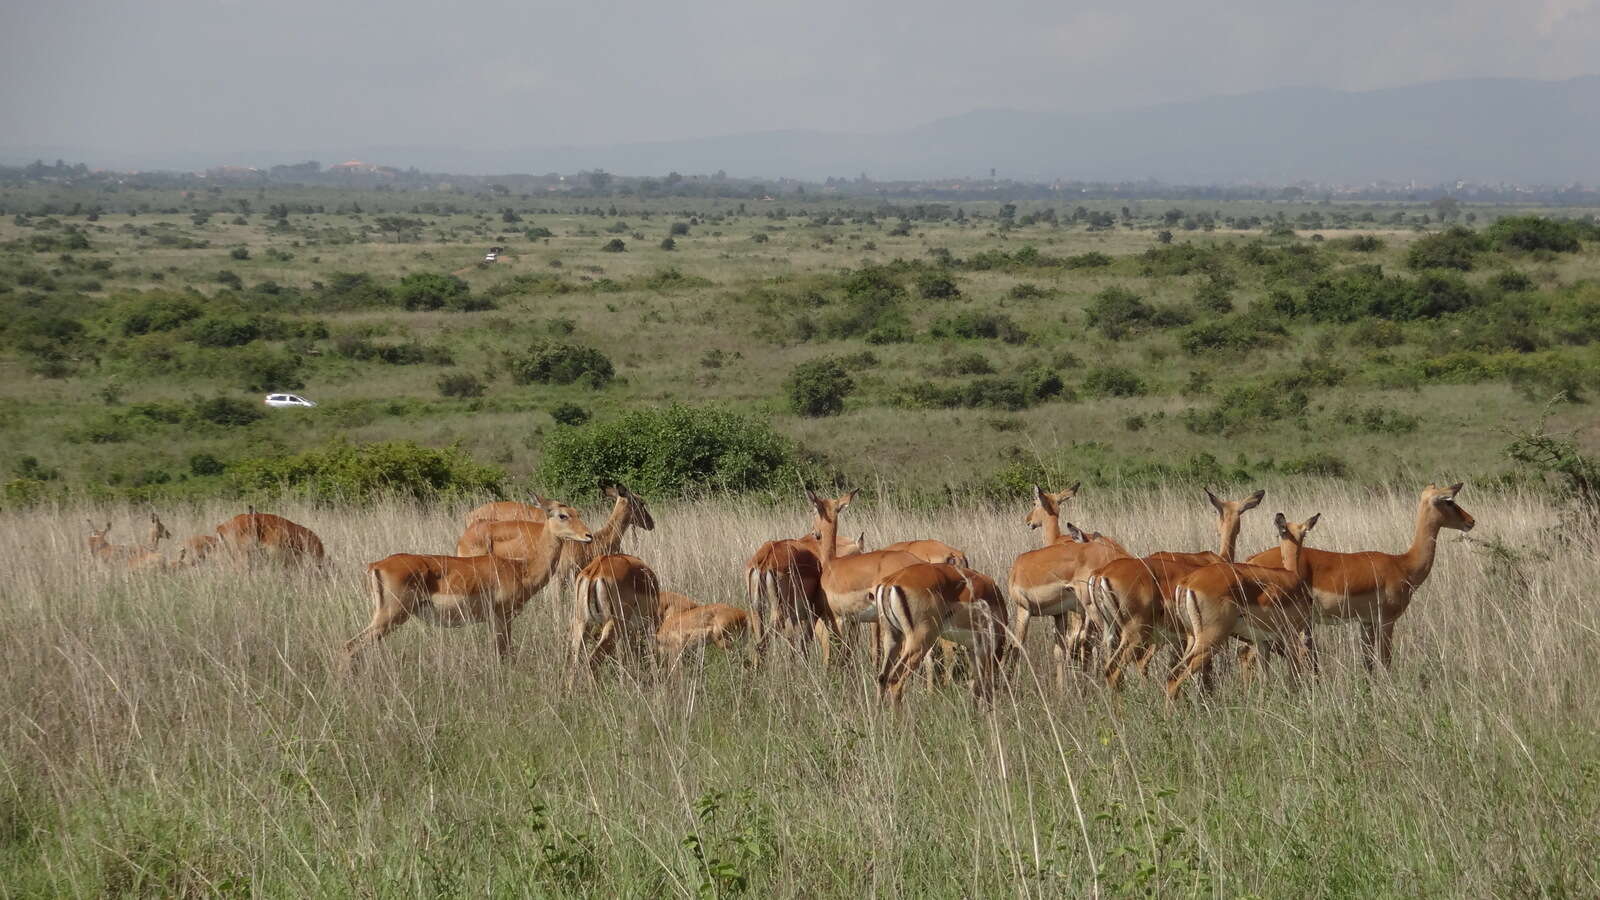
514	537
454	590
922	604
1260	604
1375	588
783	581
1132	596
1053	581
617	602
1045	517
847	581
256	535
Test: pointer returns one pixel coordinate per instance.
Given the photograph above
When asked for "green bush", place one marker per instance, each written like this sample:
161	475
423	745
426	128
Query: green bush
1118	311
964	364
429	290
154	311
353	290
978	326
818	388
203	464
1021	391
1246	407
672	452
1359	243
229	412
1456	248
569	414
1512	282
1231	334
538	232
871	308
362	473
1527	233
937	285
261	369
615	245
1317	463
461	385
1094	259
1113	381
225	331
561	362
1365	291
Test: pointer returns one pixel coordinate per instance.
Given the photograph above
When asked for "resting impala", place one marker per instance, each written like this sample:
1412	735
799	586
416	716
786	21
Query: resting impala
454	590
1053	581
618	601
686	625
922	604
931	552
1376	588
1260	604
254	535
513	537
783	581
1132	596
195	550
847	581
131	556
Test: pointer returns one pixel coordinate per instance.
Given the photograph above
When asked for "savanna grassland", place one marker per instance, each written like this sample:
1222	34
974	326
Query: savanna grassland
190	732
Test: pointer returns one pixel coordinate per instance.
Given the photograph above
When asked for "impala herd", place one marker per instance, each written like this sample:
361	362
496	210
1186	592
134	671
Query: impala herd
918	596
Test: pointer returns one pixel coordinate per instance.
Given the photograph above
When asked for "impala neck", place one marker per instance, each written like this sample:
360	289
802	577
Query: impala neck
1418	558
608	537
1291	556
1228	527
828	551
1052	528
543	560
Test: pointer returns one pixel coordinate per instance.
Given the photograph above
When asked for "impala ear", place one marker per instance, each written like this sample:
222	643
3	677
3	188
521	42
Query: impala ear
861	542
108	526
1217	504
1070	492
1281	522
1075	533
1253	501
1456	488
1045	501
613	490
1038	495
846	499
812	496
1312	522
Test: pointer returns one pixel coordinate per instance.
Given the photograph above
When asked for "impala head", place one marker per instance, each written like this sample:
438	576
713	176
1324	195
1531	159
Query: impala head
1047	505
1294	532
828	509
158	531
97	536
1441	505
563	521
638	513
1078	534
1235	508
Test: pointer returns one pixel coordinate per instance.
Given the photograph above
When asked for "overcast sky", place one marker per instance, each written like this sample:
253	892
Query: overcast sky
228	75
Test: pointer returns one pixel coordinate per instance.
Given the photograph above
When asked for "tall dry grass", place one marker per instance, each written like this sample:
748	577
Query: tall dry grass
191	733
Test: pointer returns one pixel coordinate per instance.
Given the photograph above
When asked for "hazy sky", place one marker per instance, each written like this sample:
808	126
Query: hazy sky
201	75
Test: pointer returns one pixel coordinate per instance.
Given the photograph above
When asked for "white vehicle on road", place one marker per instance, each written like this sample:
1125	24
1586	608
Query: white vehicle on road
281	400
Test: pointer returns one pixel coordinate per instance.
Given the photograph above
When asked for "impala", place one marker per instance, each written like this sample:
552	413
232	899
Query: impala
1260	604
1045	517
252	535
1131	595
847	581
513	537
618	601
195	550
783	581
686	625
931	552
1375	588
505	511
131	556
454	590
1053	581
920	605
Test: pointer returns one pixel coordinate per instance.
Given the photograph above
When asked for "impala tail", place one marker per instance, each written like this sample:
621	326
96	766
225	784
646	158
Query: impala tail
893	610
1105	604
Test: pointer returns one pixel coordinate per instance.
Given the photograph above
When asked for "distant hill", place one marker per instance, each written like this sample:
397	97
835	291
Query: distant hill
1485	130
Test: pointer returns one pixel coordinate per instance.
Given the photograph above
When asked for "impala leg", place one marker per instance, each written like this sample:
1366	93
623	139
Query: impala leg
502	636
385	619
1198	659
1385	643
913	648
1135	633
1019	631
1149	654
1060	649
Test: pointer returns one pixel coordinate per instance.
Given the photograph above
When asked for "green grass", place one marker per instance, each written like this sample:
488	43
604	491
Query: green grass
190	733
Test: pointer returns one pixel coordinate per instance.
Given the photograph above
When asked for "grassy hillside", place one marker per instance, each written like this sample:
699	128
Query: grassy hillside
984	350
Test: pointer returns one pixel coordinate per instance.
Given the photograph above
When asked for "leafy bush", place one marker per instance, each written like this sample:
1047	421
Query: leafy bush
1456	248
1359	243
965	364
429	290
672	452
204	464
155	311
1246	407
561	362
1379	420
538	232
669	244
871	308
1365	291
1021	391
1114	381
678	228
362	473
818	388
569	414
1213	297
353	290
1094	259
1512	282
260	369
1117	311
937	285
225	331
979	325
1230	334
615	245
229	412
462	385
1528	233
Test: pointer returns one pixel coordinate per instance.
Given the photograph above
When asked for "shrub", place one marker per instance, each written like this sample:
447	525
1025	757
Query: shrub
1113	381
155	311
224	331
239	253
569	414
561	362
965	364
870	309
430	290
1021	391
669	244
1456	248
353	290
260	369
1027	291
203	464
678	228
818	388
1359	243
1231	334
1528	233
979	325
1245	407
1094	259
1317	463
1512	282
1366	291
672	452
615	245
1212	296
362	473
230	280
538	232
229	412
936	285
462	385
1117	311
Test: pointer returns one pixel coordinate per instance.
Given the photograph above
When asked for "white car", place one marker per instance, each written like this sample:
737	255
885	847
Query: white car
489	257
288	400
